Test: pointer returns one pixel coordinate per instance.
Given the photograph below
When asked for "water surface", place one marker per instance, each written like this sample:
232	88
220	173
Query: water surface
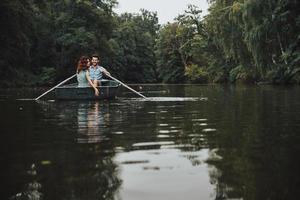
185	142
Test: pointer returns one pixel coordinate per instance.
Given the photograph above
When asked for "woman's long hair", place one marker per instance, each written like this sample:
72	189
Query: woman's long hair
82	63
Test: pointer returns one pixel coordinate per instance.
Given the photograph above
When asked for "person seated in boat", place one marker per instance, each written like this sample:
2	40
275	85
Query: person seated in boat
97	71
83	75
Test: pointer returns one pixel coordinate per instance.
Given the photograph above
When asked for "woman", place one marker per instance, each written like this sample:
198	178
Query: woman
83	76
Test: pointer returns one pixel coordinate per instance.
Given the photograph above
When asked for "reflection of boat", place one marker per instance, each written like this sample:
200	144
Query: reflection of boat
107	90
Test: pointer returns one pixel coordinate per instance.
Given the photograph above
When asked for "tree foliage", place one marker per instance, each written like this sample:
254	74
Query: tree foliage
132	47
260	38
239	40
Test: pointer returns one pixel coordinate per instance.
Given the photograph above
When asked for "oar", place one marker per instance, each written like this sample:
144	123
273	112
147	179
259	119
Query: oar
55	87
126	86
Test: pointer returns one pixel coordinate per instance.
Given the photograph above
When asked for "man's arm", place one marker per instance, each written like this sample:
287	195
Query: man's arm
105	71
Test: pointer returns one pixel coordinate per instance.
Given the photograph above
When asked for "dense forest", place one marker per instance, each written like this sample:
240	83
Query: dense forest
251	41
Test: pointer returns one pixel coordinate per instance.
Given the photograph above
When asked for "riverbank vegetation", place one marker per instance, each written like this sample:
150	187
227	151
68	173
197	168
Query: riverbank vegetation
238	41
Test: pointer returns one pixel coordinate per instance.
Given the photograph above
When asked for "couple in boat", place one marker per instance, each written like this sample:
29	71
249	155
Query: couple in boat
89	73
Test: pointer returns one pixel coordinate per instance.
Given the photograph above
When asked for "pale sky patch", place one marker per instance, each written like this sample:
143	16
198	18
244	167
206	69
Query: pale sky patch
166	10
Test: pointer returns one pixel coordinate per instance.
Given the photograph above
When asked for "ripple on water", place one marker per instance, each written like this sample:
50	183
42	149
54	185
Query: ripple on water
196	135
169	99
172	99
163	125
118	133
174	127
176	131
89	140
178	117
200	124
144	144
209	130
195	140
130	162
119	149
163	136
151	168
199	120
164	131
179	146
163	111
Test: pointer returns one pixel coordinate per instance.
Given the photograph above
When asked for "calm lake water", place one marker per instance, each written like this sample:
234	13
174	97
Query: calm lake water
210	142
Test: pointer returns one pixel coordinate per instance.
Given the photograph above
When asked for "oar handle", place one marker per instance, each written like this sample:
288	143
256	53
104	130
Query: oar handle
126	86
55	87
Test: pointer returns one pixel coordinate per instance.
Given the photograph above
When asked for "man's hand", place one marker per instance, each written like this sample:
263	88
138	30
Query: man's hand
96	92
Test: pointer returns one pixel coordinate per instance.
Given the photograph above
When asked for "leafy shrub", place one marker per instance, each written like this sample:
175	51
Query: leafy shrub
242	74
196	74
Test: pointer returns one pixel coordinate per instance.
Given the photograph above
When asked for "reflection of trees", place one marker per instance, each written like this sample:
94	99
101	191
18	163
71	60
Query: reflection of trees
257	144
80	173
31	190
72	170
89	172
256	137
94	176
254	152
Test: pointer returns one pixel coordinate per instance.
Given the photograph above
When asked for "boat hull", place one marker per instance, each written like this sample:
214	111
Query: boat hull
108	90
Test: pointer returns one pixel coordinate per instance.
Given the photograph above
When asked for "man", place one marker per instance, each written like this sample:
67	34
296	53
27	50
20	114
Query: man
96	71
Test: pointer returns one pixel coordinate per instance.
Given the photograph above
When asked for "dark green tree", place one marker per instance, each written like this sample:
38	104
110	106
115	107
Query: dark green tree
132	45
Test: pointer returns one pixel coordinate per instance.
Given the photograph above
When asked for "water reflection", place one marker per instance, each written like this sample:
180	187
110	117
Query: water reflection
165	152
90	169
92	118
255	156
32	189
240	143
68	143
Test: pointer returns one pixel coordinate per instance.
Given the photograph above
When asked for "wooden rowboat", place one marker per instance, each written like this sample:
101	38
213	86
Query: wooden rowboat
108	90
